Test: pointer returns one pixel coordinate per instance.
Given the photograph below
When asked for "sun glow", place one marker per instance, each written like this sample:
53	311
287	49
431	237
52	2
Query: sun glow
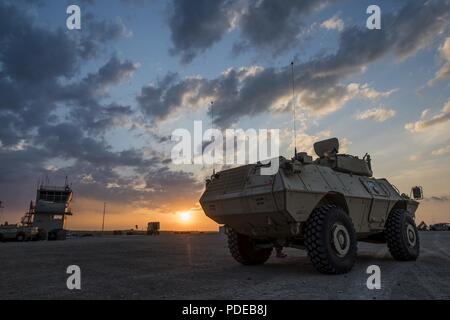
185	216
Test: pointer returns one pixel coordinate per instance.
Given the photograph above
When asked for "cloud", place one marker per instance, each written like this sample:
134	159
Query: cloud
376	114
249	91
334	23
424	113
274	26
44	78
197	26
422	125
98	33
446	107
441	151
304	141
54	121
444	71
94	168
258	89
438	199
437	120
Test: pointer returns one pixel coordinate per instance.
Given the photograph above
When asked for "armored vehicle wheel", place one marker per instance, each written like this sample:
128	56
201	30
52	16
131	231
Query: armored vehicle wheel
244	250
402	236
330	240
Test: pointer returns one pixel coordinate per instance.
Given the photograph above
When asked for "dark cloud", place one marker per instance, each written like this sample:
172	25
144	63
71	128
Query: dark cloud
94	168
275	25
53	54
84	96
167	95
249	91
53	121
267	24
97	33
54	50
36	62
438	199
197	25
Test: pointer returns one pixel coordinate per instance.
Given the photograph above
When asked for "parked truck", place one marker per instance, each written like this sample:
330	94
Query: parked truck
14	232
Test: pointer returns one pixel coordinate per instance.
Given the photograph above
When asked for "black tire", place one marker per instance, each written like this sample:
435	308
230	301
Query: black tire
42	235
1	238
402	236
20	237
244	251
330	240
61	235
52	236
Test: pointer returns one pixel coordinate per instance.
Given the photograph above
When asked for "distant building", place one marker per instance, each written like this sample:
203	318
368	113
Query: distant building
153	228
49	213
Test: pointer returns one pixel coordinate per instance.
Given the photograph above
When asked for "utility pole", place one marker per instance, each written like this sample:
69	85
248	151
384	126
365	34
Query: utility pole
1	209
104	213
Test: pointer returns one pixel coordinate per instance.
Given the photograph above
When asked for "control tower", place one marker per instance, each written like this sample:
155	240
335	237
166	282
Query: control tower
49	213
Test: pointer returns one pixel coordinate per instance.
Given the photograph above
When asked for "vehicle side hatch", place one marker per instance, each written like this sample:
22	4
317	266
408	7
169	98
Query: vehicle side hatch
380	202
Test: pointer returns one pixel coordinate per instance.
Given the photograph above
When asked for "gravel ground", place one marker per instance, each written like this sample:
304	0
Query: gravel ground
174	266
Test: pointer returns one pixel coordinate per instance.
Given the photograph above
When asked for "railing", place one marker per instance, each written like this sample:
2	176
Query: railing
52	188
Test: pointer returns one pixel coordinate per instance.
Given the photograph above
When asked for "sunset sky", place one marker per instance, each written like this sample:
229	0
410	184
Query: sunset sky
99	104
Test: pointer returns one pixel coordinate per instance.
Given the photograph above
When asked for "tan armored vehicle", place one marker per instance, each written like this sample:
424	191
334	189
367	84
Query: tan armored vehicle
324	206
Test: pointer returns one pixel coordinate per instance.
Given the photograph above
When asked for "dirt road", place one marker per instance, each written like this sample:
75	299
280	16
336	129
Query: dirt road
199	267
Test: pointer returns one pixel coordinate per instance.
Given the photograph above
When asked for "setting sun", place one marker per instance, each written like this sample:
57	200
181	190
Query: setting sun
185	216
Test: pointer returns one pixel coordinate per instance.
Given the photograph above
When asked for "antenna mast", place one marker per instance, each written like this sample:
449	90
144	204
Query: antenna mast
212	128
293	110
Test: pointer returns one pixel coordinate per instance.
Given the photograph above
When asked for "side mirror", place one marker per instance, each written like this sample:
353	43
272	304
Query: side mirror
417	193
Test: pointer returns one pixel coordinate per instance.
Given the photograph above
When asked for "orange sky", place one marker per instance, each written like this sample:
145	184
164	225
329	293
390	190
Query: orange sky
88	216
181	217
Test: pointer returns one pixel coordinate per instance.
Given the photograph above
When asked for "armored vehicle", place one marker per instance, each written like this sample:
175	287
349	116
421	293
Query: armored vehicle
324	206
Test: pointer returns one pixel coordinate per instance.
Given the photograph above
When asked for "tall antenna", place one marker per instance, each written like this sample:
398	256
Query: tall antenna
293	110
212	128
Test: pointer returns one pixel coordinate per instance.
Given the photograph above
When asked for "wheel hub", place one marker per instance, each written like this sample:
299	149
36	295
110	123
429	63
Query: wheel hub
340	239
411	235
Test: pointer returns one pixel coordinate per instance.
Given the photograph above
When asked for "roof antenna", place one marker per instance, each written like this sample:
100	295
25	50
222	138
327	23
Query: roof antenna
293	111
212	128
